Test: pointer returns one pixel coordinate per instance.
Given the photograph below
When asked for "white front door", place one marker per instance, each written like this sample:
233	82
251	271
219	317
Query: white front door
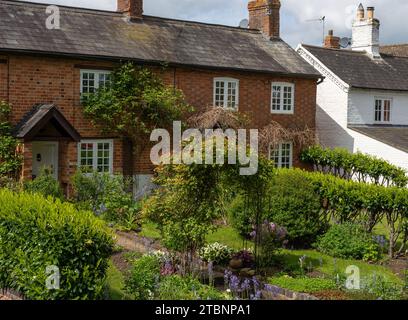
45	156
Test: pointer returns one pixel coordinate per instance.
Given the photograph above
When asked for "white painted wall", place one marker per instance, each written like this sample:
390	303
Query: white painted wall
362	106
331	115
381	150
338	106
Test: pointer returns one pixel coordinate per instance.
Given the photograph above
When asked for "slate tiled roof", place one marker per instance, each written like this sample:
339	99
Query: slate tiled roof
360	71
398	50
395	136
38	117
104	34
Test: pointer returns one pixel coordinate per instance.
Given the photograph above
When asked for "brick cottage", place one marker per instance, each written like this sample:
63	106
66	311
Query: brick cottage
44	71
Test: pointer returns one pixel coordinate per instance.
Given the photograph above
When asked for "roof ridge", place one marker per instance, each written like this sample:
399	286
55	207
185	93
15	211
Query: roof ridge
333	49
42	4
115	13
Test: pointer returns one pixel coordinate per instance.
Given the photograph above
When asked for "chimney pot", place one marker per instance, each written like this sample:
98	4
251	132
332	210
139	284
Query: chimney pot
264	15
370	13
360	12
131	8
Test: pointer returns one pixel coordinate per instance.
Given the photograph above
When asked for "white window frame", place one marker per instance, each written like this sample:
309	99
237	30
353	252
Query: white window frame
95	143
97	75
382	99
280	153
226	81
282	86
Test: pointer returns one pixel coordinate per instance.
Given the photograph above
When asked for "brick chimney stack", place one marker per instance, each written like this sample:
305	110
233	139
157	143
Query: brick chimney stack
264	15
332	42
132	8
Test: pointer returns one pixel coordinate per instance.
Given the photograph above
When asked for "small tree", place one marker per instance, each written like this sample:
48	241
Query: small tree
134	103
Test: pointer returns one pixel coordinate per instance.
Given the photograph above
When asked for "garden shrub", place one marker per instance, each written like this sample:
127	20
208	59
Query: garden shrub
349	241
295	205
239	217
383	289
36	233
304	284
10	159
108	196
46	185
176	287
144	277
216	252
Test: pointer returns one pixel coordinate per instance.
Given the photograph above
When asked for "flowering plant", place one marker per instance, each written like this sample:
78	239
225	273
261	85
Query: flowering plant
216	253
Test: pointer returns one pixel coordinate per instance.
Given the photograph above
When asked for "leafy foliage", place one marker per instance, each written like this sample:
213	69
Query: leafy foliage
363	167
46	185
295	205
383	289
109	197
216	252
349	241
176	287
10	159
272	238
303	284
36	232
144	277
135	103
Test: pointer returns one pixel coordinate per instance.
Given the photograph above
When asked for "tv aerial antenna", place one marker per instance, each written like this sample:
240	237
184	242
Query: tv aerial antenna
322	20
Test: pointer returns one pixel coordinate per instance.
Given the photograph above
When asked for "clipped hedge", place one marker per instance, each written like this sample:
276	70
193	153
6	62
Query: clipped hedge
36	232
357	166
351	201
294	205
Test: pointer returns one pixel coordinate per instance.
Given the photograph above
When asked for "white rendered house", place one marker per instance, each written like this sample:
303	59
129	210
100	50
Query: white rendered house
363	100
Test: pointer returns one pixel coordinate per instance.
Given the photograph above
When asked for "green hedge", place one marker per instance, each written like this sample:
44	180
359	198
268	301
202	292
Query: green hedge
350	201
36	232
357	166
294	205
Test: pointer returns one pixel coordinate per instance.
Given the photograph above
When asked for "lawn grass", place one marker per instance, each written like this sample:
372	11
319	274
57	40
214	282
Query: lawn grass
115	283
290	258
320	262
229	236
331	266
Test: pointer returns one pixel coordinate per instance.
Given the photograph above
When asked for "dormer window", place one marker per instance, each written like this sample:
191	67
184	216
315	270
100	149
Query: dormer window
382	110
283	98
226	93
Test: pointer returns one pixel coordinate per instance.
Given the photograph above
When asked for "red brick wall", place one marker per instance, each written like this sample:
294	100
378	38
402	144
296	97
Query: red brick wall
52	80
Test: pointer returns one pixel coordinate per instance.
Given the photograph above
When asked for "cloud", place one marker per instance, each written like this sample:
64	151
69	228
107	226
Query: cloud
296	27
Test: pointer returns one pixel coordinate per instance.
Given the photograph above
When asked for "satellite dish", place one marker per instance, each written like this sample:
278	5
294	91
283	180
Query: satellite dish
345	42
244	24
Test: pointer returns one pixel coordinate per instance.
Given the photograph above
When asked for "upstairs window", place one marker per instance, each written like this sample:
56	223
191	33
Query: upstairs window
382	110
281	154
226	93
92	80
95	156
283	97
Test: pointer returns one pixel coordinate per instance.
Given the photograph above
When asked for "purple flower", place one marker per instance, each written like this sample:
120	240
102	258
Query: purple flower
246	285
256	283
234	283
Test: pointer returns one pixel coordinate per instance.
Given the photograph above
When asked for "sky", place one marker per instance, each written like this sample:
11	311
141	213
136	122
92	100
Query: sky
299	18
